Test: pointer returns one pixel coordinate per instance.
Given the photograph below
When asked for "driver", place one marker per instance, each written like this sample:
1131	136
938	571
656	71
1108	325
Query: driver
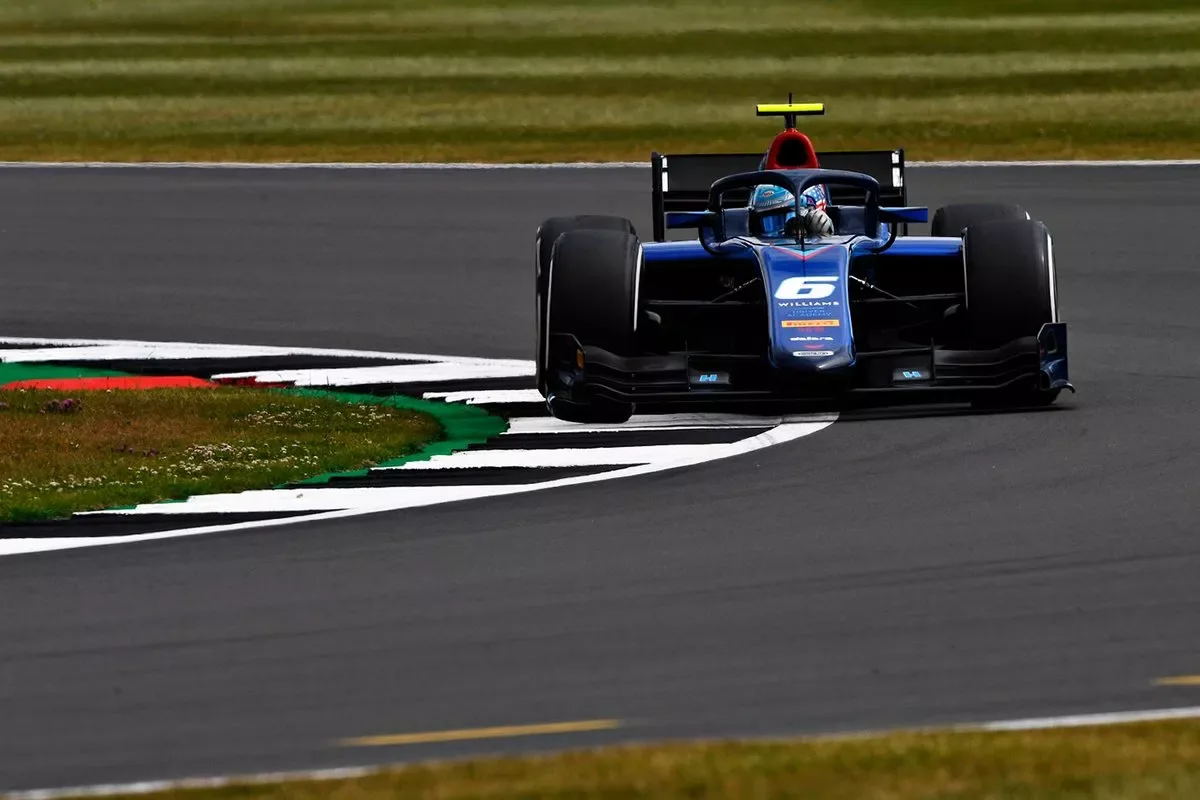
772	206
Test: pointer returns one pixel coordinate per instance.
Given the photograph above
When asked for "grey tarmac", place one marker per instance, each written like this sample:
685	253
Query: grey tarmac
892	570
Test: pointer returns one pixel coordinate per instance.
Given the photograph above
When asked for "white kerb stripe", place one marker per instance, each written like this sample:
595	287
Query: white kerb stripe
148	787
565	457
794	428
486	396
435	372
99	349
1084	720
642	422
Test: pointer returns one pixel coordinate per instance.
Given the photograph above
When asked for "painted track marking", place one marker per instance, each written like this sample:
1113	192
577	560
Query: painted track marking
147	787
410	372
1086	720
468	734
1179	680
559	165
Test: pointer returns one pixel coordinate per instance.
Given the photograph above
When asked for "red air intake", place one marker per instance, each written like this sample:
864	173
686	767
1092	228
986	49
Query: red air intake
791	149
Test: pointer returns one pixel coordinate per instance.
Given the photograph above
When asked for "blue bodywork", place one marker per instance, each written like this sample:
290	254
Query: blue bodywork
807	281
808	285
811	352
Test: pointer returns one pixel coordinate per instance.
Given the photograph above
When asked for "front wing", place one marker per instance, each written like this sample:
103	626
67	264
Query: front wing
579	373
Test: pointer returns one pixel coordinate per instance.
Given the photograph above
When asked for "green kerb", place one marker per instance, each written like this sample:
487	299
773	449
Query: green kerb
11	373
462	426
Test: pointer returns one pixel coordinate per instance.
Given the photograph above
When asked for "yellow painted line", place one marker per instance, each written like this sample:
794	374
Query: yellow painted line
502	732
1179	680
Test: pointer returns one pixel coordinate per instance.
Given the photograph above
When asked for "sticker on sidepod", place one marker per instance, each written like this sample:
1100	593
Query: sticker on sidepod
811	323
812	353
696	377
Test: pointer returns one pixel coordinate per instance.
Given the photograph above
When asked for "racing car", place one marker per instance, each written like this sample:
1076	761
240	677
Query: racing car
728	318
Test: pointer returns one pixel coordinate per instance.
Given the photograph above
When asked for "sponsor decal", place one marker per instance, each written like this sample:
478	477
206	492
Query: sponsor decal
812	323
811	339
812	353
804	313
808	303
697	378
910	375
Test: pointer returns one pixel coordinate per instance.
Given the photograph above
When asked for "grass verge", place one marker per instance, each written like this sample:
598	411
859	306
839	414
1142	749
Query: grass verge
1146	761
76	452
534	80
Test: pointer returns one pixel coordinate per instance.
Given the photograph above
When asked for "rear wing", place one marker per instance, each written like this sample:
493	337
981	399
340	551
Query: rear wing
681	182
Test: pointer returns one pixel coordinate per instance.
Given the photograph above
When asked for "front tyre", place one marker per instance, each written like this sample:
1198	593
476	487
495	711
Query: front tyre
547	234
1011	291
591	295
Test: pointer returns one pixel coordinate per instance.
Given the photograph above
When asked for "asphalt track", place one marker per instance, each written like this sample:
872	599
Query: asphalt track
911	569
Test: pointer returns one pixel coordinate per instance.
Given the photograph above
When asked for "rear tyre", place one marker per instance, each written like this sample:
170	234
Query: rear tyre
953	219
547	234
591	294
1011	291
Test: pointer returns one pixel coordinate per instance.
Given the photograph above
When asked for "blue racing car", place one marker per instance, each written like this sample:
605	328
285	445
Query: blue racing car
798	285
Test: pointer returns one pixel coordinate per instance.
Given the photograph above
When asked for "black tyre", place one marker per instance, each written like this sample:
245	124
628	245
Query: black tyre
1010	284
952	220
597	411
1011	291
591	294
547	234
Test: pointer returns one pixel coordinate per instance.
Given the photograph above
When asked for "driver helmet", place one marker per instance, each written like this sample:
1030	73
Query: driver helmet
772	206
770	209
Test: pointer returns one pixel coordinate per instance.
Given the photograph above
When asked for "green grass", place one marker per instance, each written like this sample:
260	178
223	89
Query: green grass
514	80
126	447
1130	762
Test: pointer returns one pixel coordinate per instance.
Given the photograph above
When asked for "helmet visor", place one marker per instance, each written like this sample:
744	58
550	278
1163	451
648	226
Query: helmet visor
772	223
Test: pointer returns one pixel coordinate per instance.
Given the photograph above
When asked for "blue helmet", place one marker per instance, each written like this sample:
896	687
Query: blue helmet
770	209
772	206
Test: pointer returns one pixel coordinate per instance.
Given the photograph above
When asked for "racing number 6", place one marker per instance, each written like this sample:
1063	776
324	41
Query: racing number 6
811	288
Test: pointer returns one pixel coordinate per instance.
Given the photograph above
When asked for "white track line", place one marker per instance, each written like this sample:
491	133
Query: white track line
433	372
646	422
94	350
1085	720
148	787
340	165
565	457
368	500
1182	162
468	165
637	460
475	397
362	499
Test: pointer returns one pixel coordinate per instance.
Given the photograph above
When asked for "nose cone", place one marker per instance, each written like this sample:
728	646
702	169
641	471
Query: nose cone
809	318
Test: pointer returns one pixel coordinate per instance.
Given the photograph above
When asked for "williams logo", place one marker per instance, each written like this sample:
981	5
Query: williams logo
808	303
